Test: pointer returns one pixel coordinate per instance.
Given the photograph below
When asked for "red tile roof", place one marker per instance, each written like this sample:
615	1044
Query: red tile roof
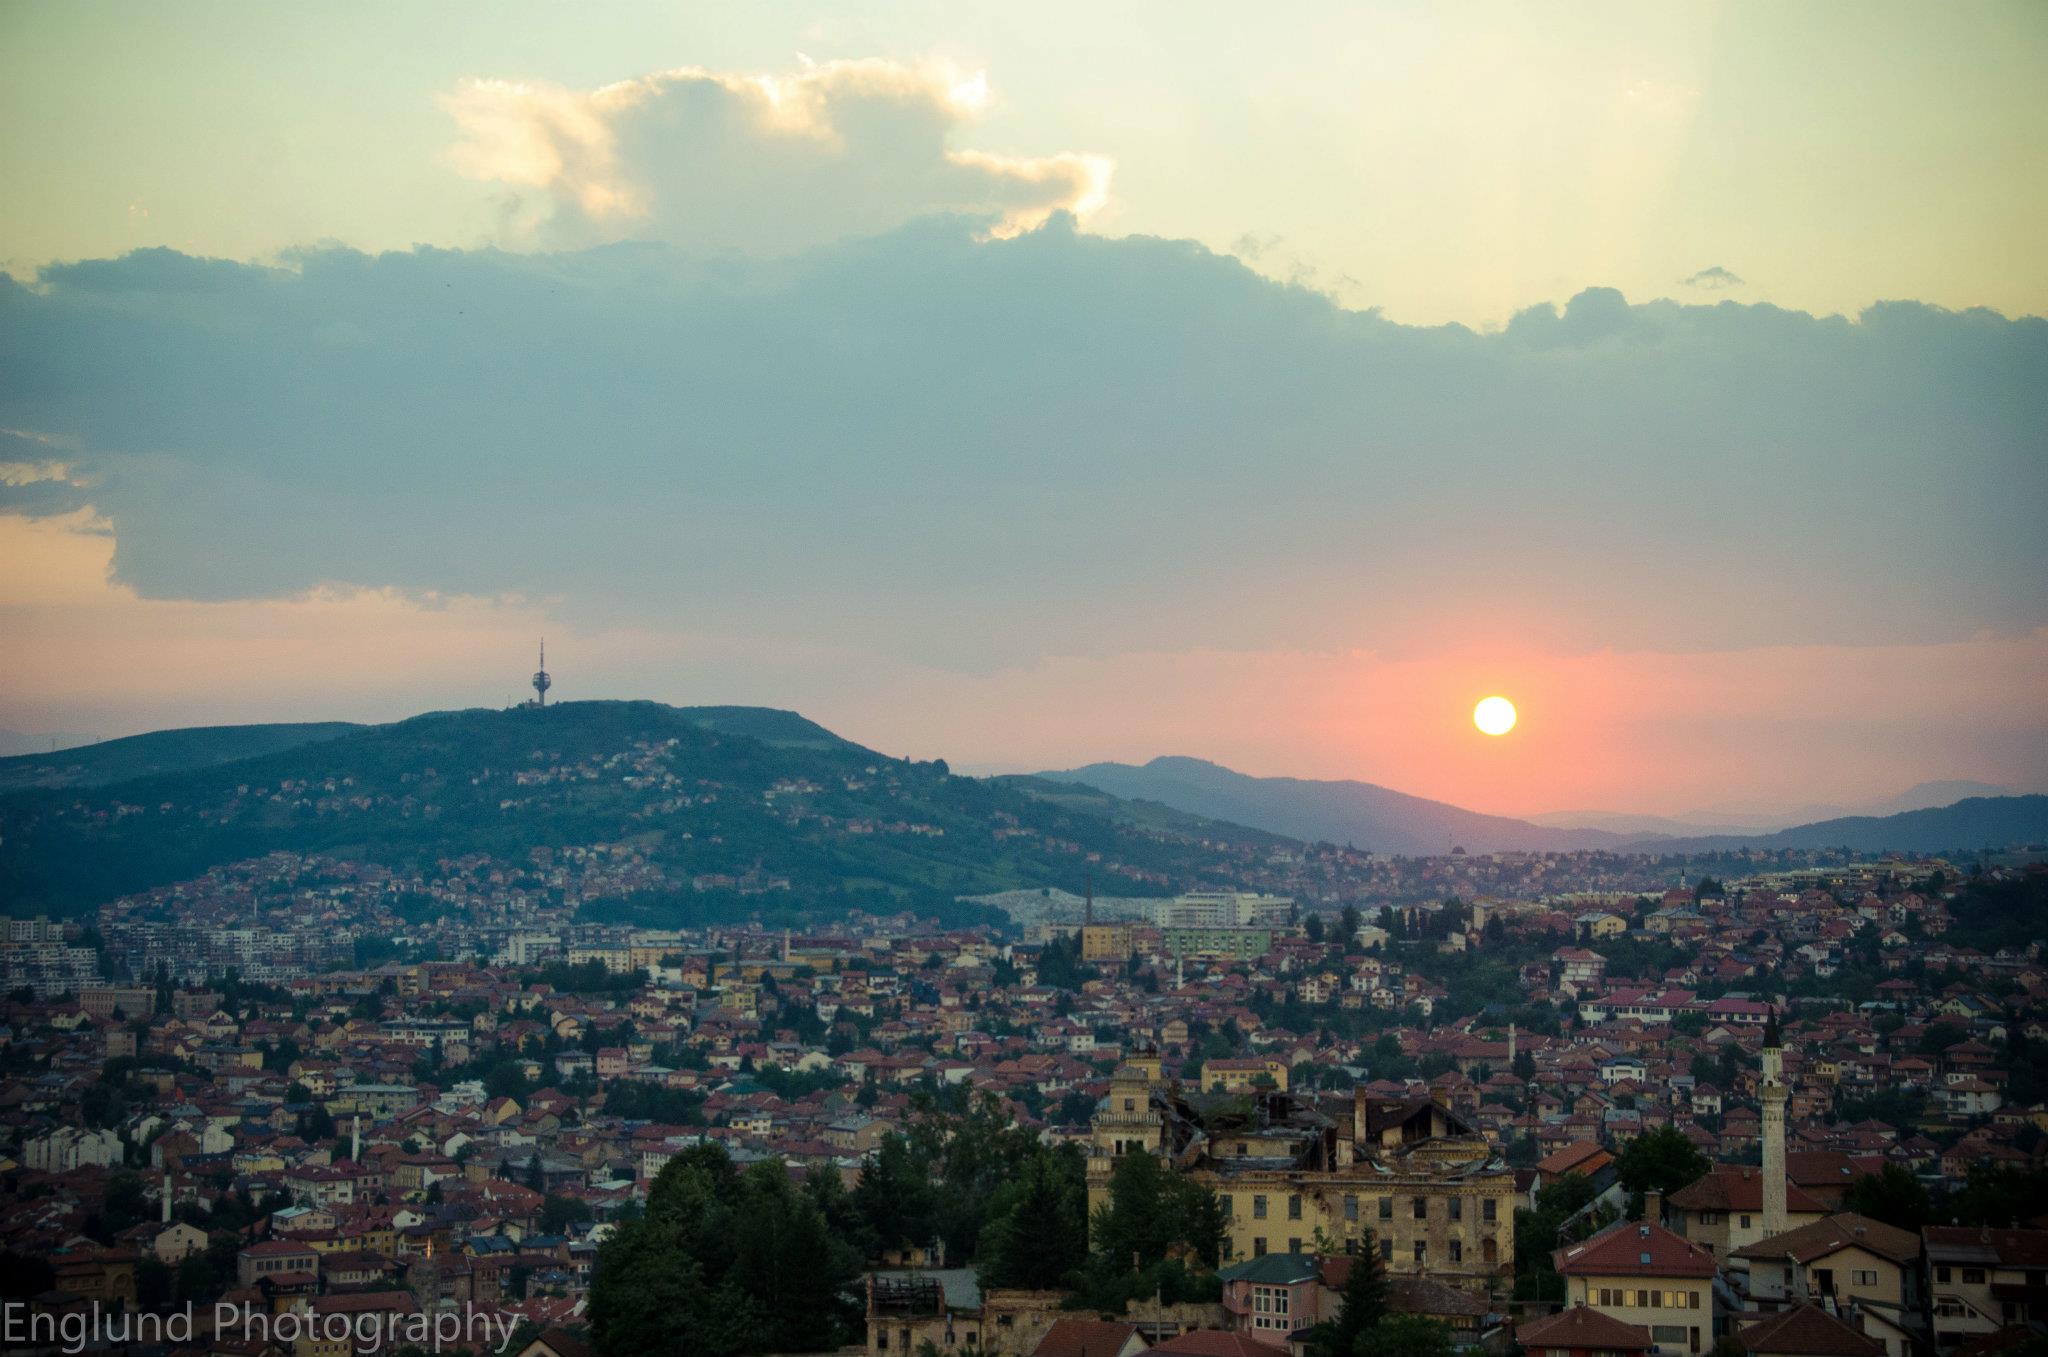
1584	1327
1635	1248
1807	1332
1084	1338
1740	1187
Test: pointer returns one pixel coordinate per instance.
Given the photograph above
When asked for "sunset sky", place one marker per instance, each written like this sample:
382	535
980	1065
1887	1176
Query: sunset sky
1032	385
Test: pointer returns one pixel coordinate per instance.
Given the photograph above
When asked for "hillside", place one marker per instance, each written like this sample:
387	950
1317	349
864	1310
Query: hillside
1357	813
159	751
790	801
1973	823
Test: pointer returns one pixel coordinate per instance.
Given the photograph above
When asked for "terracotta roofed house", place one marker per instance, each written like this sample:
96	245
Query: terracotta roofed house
1641	1273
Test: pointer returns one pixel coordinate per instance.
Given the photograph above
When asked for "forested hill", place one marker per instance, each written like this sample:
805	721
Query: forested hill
160	751
722	791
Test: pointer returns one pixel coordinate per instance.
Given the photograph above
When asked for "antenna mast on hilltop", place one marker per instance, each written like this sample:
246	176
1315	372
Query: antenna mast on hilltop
541	681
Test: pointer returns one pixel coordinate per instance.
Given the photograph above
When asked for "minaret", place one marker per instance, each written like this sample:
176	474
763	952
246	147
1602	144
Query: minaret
1774	1095
1511	1045
541	681
167	1195
355	1140
785	946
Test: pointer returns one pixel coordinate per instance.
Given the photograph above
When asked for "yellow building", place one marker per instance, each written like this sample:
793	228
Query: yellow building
1108	942
1641	1273
1244	1075
1295	1177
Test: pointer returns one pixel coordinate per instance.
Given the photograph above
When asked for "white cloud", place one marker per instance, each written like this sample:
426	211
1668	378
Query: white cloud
771	163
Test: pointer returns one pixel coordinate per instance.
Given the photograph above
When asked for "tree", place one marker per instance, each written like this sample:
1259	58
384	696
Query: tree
1314	928
1892	1195
1152	1211
1037	1230
722	1263
557	1214
1661	1159
894	1195
1364	1305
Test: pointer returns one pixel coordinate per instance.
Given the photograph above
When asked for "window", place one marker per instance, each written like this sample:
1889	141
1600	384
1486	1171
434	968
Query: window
1386	1250
1130	1104
1351	1208
1973	1276
1223	1202
1422	1208
1863	1277
1941	1274
1294	1244
1259	1207
1259	1246
1745	1222
1387	1213
1457	1208
1489	1210
1457	1250
1421	1250
1294	1207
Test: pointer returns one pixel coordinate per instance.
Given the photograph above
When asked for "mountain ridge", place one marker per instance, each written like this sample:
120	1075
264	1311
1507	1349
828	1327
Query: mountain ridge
1364	814
1382	820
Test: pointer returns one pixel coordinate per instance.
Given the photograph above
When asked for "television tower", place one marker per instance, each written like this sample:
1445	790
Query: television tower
541	681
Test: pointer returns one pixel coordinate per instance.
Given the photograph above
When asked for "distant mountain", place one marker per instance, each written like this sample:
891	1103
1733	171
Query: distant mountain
1357	813
1972	823
160	751
717	793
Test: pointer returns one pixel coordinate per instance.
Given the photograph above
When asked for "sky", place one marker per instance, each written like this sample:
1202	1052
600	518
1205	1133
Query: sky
1032	385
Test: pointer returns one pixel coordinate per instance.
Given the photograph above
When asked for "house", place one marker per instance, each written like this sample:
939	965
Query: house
1583	1331
1980	1280
1805	1331
1271	1296
1240	1076
1842	1260
1724	1208
1642	1274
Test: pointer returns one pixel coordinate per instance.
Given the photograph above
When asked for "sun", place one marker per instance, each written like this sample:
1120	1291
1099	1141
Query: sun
1494	715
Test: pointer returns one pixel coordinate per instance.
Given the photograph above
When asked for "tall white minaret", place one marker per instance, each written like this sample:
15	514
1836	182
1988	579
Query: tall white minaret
167	1195
1511	1045
355	1140
1774	1096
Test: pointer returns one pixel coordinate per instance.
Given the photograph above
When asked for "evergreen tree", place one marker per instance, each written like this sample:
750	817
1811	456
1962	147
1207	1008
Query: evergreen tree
1037	1229
1364	1304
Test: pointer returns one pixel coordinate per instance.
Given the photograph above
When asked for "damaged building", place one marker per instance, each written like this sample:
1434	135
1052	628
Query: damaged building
1296	1174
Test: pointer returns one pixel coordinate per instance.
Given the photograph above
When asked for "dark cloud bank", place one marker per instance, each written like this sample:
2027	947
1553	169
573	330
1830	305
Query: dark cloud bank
973	452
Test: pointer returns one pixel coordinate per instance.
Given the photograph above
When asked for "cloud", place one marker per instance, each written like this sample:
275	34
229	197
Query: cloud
943	449
767	163
1712	279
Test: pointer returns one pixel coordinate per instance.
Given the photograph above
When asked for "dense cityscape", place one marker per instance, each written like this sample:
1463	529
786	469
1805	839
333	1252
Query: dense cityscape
1572	1101
945	678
